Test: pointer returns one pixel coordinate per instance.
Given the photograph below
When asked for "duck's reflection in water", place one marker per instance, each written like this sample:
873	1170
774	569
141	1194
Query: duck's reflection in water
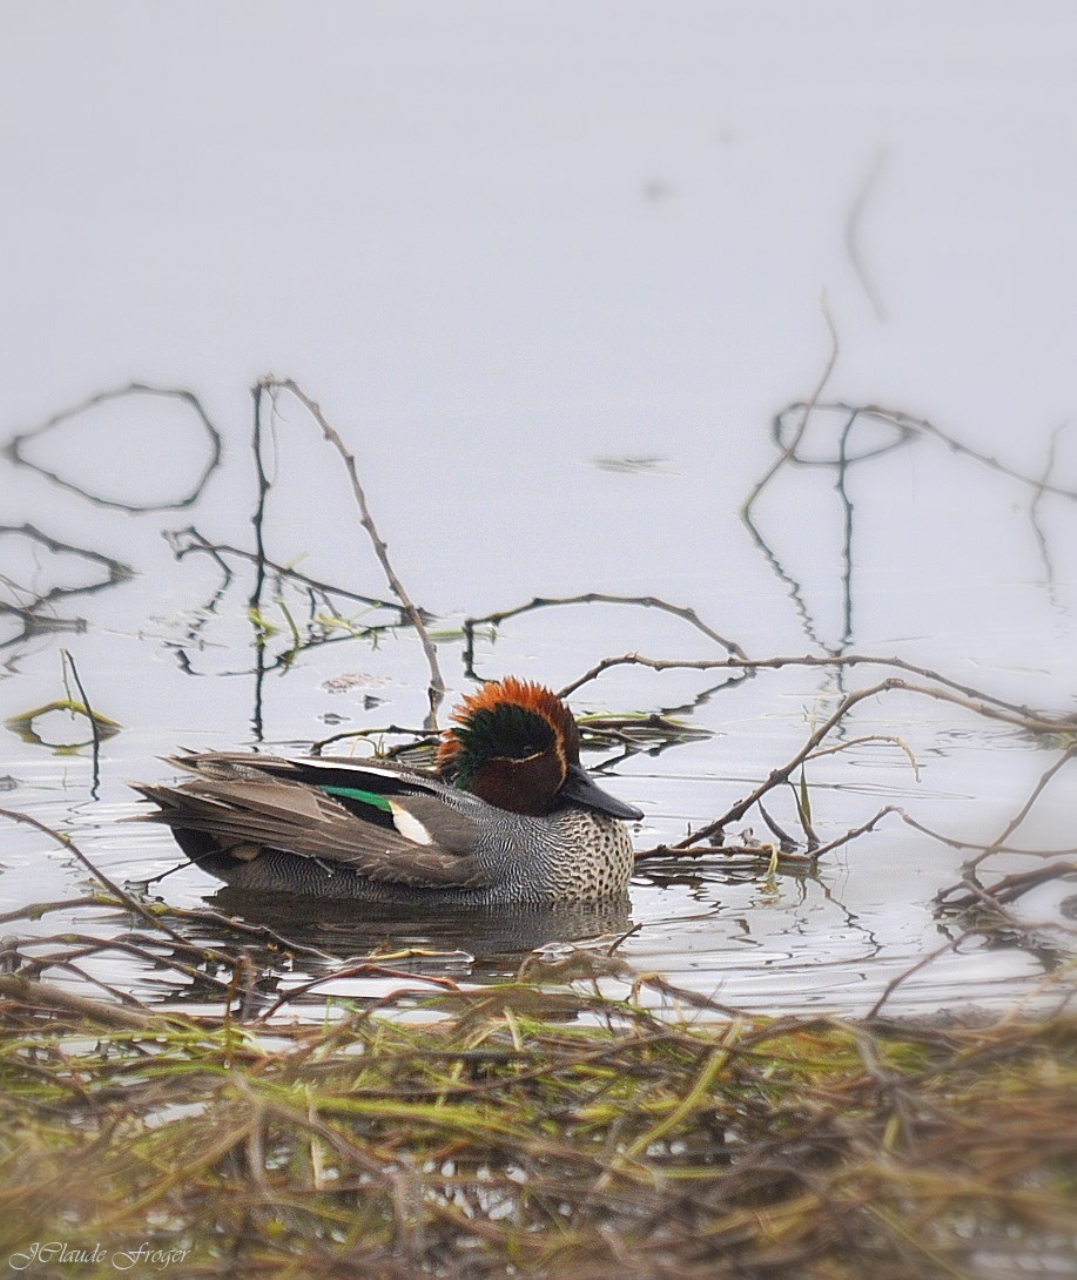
497	940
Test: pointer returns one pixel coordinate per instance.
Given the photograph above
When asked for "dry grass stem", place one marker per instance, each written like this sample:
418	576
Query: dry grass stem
487	1140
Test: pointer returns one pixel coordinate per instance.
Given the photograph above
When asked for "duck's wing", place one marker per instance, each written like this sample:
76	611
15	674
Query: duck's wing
384	824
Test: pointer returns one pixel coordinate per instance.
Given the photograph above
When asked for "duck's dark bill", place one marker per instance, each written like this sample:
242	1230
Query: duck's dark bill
581	788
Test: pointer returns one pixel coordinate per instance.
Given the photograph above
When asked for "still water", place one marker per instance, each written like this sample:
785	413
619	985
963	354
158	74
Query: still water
554	276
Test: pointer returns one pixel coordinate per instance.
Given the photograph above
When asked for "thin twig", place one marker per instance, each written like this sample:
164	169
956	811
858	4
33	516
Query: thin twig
974	699
436	690
593	597
218	550
32	991
363	968
94	729
856	832
906	974
866	739
132	904
1069	754
954	843
782	774
1008	889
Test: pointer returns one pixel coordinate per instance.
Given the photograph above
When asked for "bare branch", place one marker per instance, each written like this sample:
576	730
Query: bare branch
437	685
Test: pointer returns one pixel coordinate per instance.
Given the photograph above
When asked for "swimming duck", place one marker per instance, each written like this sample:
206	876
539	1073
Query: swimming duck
508	816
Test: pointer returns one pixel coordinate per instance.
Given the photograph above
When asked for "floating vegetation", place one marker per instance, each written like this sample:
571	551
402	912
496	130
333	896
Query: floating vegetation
534	1131
637	729
27	724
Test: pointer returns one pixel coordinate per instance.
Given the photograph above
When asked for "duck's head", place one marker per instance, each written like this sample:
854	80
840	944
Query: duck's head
516	746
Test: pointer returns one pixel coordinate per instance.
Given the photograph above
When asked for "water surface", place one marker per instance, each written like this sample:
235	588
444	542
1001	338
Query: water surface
552	275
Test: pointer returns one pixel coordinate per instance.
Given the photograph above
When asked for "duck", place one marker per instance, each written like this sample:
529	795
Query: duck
508	815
